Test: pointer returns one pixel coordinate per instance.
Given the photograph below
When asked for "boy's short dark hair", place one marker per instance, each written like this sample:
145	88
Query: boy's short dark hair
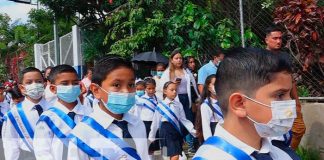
140	83
106	65
64	68
27	70
149	80
272	28
161	64
247	70
214	51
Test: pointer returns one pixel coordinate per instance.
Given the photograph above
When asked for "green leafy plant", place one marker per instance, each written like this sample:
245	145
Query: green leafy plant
303	91
308	153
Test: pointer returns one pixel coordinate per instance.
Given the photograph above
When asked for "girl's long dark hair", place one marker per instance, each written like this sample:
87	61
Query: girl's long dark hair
205	95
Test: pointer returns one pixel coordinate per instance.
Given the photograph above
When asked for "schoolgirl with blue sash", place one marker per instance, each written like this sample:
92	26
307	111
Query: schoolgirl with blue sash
110	132
53	126
168	117
145	109
20	121
210	111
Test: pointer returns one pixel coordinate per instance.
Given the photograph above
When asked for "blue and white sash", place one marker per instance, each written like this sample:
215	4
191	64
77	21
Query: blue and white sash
99	143
216	109
21	124
288	138
90	97
59	122
1	116
149	104
168	114
223	145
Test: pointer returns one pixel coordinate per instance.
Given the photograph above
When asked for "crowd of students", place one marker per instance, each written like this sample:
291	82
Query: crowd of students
244	111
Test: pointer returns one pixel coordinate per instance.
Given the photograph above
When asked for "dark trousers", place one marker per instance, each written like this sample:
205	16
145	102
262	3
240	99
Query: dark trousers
184	99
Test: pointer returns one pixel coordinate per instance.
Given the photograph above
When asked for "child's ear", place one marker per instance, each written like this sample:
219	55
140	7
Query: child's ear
53	88
95	90
236	105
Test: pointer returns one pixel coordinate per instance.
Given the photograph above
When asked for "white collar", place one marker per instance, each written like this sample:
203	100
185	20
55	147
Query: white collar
213	101
29	104
147	96
105	119
78	109
221	132
168	101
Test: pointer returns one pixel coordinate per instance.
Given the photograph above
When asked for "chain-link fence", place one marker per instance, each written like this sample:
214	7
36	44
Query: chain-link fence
45	55
70	52
257	16
66	49
198	27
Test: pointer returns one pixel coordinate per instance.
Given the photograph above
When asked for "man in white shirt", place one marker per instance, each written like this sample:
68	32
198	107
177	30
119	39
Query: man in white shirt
253	89
20	121
50	142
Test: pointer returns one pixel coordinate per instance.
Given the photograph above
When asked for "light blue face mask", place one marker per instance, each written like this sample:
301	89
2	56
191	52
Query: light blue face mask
118	102
159	73
68	93
140	93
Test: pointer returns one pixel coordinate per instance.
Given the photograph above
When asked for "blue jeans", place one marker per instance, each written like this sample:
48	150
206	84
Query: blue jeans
184	99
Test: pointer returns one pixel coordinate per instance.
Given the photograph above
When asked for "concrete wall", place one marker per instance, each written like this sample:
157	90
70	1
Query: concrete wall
314	119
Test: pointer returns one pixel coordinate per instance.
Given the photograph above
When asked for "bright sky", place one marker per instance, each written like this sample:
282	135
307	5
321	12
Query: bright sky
16	10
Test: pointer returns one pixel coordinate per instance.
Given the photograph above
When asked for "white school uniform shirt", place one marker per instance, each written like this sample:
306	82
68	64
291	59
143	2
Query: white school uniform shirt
46	145
177	109
4	108
12	143
135	127
209	152
141	111
207	116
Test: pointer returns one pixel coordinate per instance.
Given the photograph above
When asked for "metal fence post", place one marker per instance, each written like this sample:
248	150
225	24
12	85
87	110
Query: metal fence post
56	42
242	24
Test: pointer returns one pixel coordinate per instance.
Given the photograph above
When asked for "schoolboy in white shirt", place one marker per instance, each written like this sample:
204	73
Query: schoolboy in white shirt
110	132
253	89
50	142
20	121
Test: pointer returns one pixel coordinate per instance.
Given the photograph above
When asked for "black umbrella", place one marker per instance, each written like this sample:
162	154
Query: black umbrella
150	56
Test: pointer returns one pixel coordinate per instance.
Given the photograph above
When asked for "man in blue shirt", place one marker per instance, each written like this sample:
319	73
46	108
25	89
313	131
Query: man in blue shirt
209	68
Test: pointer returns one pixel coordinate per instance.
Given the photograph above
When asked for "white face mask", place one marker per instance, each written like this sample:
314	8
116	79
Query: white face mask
35	90
283	116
